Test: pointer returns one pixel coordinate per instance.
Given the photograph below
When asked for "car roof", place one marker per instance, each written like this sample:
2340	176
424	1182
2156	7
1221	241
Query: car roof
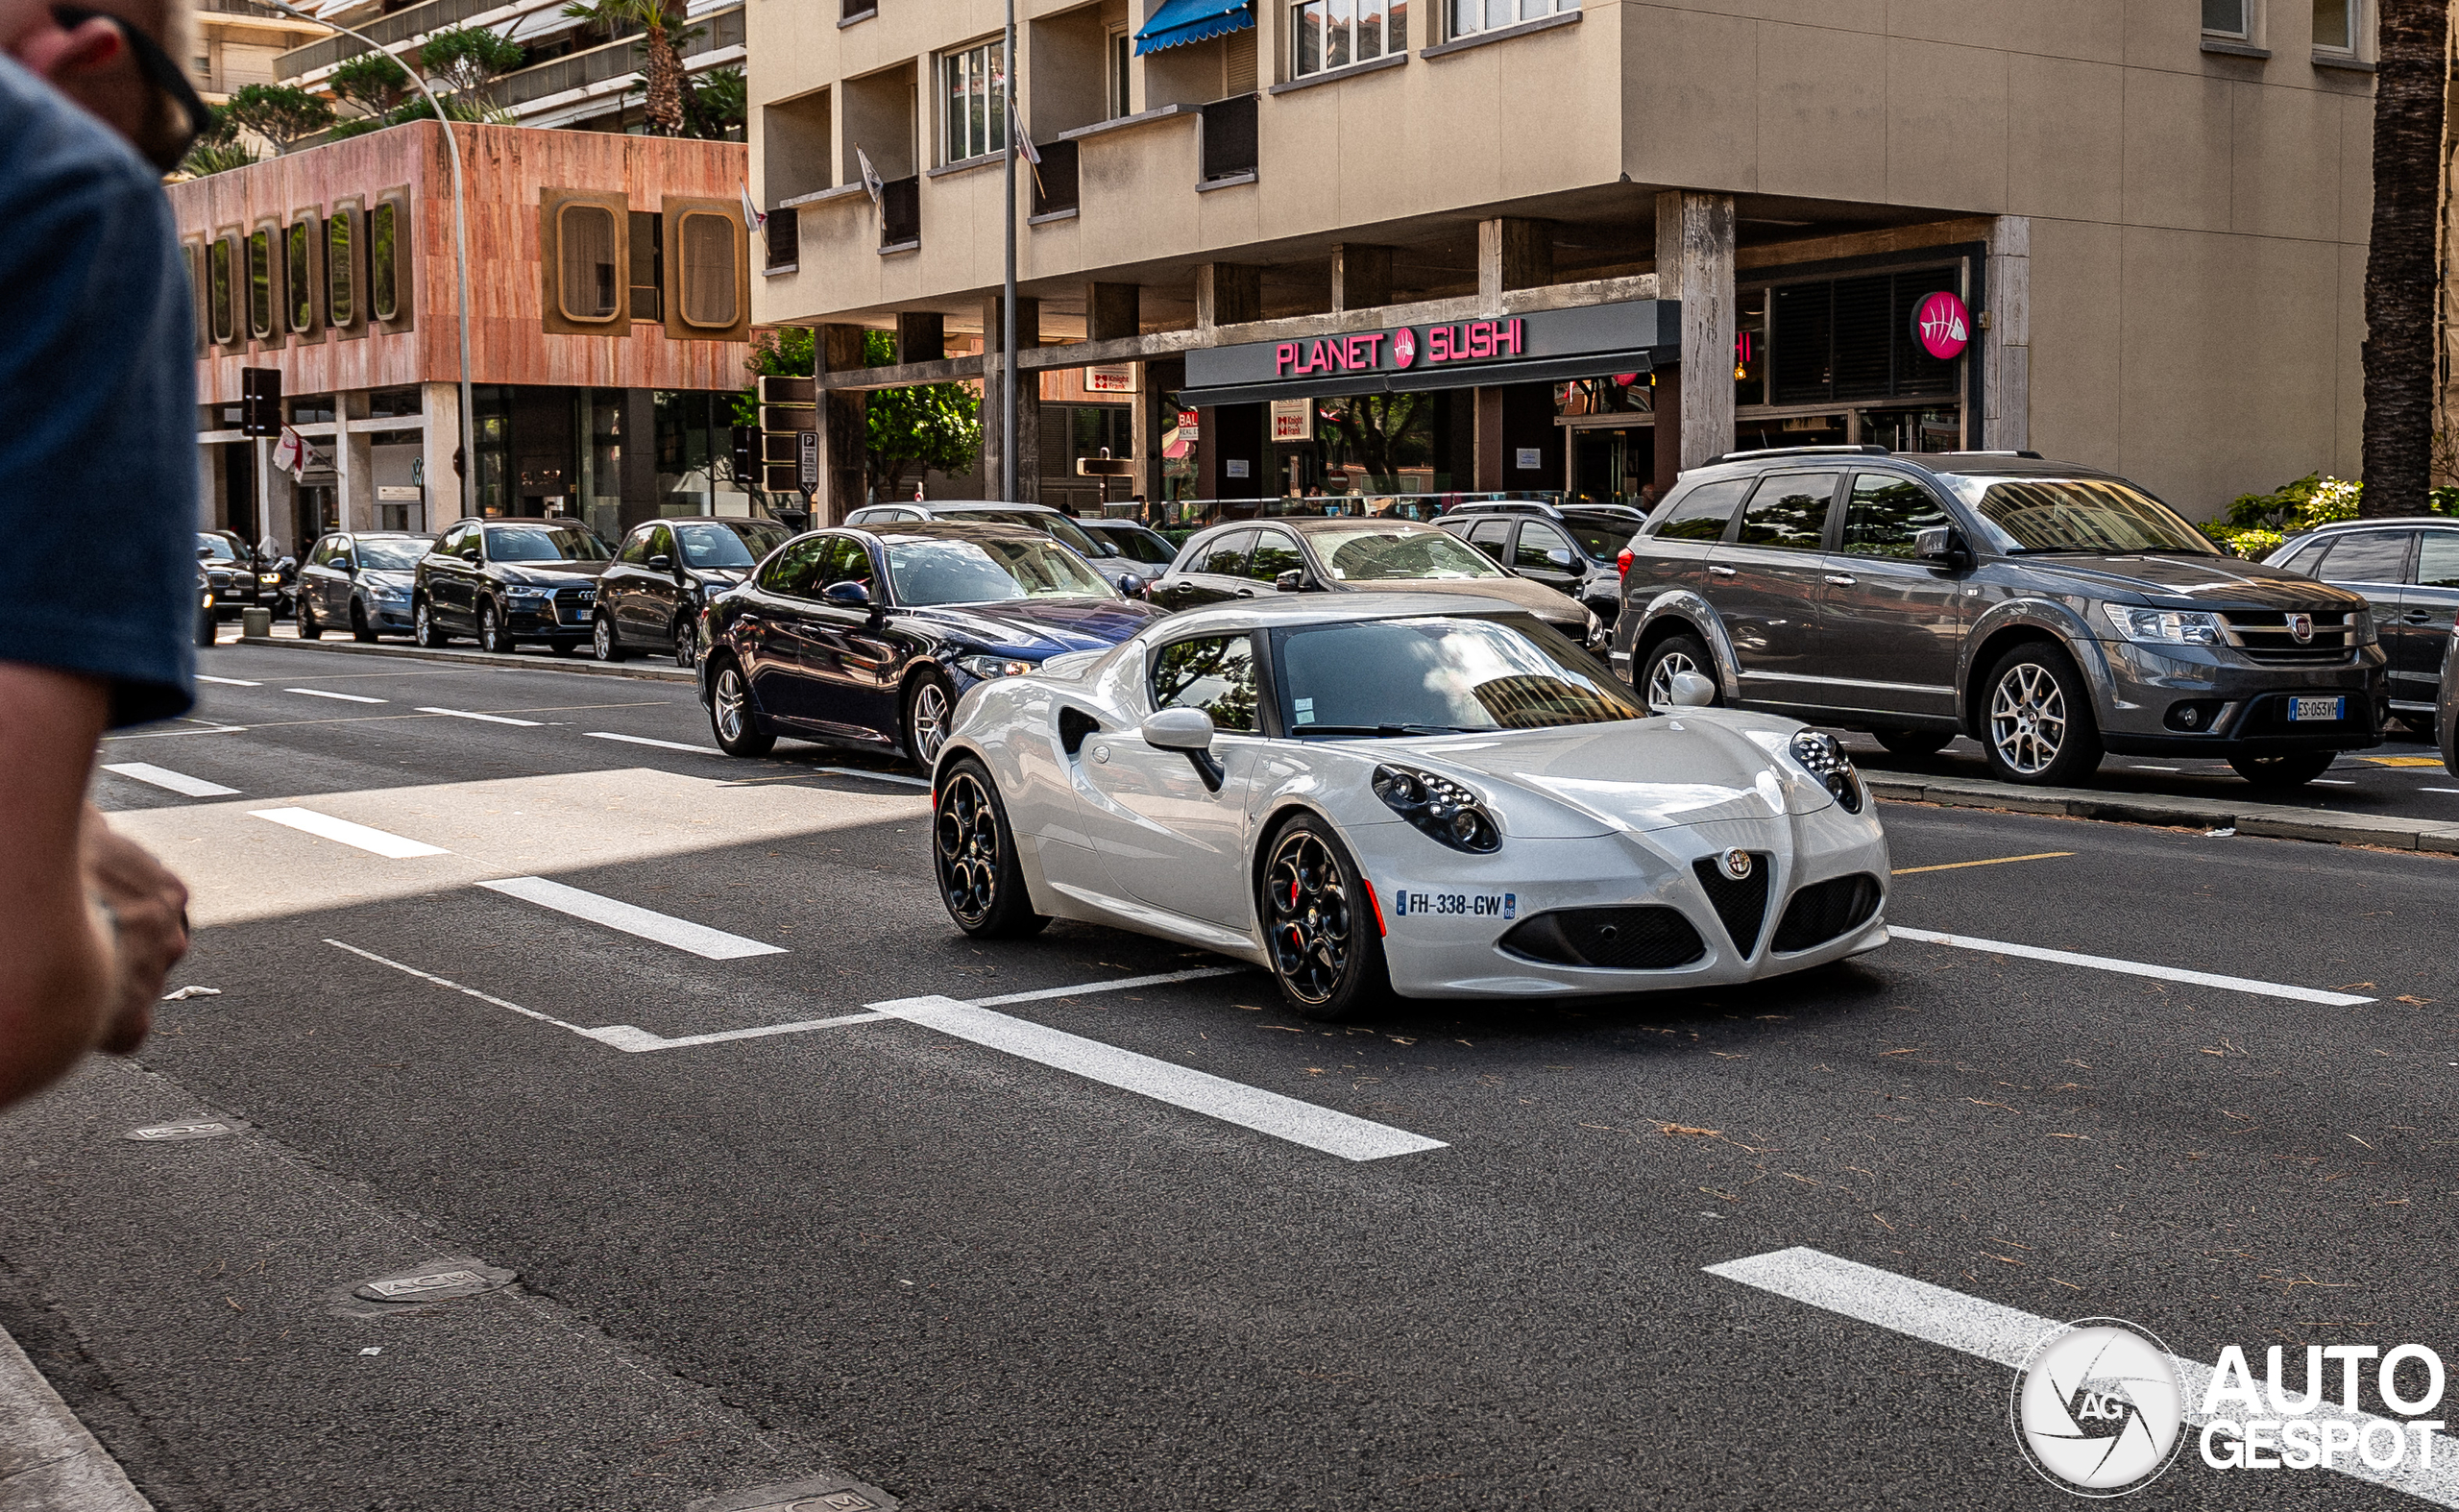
1967	464
1283	610
958	506
2392	522
1307	525
942	530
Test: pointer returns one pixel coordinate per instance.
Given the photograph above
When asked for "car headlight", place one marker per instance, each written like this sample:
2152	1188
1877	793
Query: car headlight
529	596
1819	755
2165	626
989	667
1596	629
209	599
268	578
1441	808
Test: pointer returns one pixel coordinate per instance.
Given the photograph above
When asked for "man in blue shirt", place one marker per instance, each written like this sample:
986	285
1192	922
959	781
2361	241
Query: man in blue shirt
98	480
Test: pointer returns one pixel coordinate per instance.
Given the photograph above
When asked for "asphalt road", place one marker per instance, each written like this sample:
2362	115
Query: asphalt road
974	1278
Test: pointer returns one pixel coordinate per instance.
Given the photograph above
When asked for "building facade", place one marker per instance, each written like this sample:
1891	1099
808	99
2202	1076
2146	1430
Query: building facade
1422	246
609	329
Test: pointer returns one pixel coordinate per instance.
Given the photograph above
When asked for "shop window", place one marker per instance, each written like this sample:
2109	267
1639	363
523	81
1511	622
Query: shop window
585	260
2228	18
1333	33
976	94
1469	17
1853	339
383	268
712	296
260	277
648	265
300	273
341	270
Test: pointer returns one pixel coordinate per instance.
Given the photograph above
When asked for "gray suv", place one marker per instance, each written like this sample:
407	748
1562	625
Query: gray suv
2052	613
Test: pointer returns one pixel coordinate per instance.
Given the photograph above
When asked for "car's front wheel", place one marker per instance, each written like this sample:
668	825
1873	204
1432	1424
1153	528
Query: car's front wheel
603	644
687	643
1319	927
928	705
492	635
2039	730
309	629
1668	659
359	628
732	719
2292	770
973	854
425	630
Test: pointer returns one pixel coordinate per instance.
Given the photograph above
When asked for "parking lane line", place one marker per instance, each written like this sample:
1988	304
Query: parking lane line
2438	789
1039	994
663	746
229	682
2006	1336
2134	969
874	777
712	944
471	991
346	698
489	719
325	826
625	1038
1309	1124
1994	861
178	782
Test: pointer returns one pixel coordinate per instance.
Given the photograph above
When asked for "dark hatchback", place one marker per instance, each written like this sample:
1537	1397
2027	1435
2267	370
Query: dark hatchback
869	637
665	574
508	581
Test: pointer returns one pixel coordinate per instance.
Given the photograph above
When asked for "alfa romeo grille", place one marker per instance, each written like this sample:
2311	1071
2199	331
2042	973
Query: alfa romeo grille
1741	905
1824	909
2267	635
1646	938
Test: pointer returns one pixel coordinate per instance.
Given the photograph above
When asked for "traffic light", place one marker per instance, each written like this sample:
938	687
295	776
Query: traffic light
260	402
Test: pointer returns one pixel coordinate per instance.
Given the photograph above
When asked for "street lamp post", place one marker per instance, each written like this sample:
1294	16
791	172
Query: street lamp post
460	244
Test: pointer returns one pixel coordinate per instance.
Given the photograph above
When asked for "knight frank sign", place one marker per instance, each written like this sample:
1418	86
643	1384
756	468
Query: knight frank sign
1540	346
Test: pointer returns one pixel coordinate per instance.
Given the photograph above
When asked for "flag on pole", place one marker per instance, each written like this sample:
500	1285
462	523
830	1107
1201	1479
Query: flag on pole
752	219
871	185
1025	146
293	454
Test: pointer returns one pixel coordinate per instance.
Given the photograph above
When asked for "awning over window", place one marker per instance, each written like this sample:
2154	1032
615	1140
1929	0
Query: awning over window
1181	21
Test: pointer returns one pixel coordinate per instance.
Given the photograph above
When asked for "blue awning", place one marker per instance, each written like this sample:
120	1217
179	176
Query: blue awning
1181	21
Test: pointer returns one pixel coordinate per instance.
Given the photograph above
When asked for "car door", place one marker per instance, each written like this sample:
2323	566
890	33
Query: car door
1275	552
1544	555
453	586
1211	575
2426	609
650	591
1765	582
769	634
1890	627
314	568
615	584
2375	563
860	655
1493	537
1167	837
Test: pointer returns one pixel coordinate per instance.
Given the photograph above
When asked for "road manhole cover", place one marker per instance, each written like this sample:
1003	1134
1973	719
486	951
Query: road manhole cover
813	1494
166	1133
438	1280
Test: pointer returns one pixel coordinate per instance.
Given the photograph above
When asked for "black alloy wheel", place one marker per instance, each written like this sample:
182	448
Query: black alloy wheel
929	703
1320	929
973	854
2038	727
602	643
2291	770
492	636
1676	653
359	628
425	630
732	719
1912	744
687	643
309	627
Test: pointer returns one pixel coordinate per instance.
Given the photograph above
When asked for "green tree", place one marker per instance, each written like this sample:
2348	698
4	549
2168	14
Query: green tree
373	83
218	148
281	113
934	426
715	106
2400	283
467	57
661	31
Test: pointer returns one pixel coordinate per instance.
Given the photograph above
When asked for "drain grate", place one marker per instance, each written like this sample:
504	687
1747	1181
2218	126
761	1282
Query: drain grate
823	1492
167	1134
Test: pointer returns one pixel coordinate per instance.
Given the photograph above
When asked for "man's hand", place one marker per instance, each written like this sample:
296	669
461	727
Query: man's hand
148	908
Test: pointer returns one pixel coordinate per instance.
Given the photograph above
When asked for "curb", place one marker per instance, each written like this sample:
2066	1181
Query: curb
48	1460
513	663
2268	820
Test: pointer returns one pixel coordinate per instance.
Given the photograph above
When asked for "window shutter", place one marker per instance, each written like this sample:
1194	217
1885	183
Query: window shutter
710	297
587	289
341	268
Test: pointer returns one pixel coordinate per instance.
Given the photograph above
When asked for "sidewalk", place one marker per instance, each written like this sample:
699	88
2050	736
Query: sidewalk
2270	820
48	1462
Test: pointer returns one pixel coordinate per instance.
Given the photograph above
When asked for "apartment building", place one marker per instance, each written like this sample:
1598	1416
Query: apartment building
1420	246
239	42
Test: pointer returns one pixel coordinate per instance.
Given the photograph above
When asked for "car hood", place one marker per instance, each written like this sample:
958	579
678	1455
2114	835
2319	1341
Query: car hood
1519	592
1692	767
1041	627
387	576
552	575
719	577
2187	582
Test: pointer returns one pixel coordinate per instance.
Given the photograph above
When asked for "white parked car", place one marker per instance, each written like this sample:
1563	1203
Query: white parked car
1436	796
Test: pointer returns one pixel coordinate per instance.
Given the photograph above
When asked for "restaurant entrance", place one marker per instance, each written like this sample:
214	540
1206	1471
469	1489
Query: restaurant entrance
1611	464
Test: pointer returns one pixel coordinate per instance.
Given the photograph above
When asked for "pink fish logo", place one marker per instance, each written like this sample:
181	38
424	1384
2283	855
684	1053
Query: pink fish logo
1942	326
1405	346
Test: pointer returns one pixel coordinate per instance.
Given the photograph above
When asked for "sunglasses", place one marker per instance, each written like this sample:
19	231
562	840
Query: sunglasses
169	79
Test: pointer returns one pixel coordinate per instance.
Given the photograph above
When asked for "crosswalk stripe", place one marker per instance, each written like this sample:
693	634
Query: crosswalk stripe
325	826
490	719
714	944
178	782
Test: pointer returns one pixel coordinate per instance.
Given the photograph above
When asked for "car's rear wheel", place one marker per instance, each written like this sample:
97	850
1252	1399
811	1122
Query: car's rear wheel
928	705
2292	770
2039	729
1668	658
309	627
732	719
1913	744
1320	929
492	636
359	628
973	853
601	639
425	630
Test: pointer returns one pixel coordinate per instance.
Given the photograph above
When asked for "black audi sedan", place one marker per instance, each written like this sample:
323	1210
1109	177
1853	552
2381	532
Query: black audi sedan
508	581
665	574
869	637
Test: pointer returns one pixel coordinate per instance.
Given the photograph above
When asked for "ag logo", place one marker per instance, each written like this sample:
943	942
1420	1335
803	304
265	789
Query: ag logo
1737	864
1405	346
2097	1408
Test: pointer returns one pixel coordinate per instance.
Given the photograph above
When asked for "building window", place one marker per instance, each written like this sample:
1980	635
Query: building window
2335	25
2228	18
341	273
221	314
1334	33
392	404
300	257
260	299
1469	17
585	255
1122	55
383	270
712	296
977	103
648	265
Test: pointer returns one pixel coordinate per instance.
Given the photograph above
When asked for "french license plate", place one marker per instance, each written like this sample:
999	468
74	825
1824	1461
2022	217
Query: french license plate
2329	710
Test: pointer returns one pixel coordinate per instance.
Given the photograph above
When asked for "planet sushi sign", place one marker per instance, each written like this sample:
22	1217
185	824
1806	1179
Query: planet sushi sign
1942	326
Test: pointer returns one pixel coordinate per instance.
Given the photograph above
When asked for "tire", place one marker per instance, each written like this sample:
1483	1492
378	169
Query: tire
359	629
603	643
973	856
207	624
424	628
1320	931
2037	723
929	703
493	638
309	627
1676	653
1912	744
732	719
2293	770
687	643
2423	727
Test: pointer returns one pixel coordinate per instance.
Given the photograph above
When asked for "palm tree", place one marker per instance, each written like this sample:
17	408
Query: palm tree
662	28
2400	284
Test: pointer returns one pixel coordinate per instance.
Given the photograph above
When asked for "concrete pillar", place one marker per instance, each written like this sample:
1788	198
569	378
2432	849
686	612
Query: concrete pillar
441	402
1028	405
272	496
1516	254
1113	311
1695	265
2005	338
921	336
354	462
1361	277
1228	293
1489	442
843	433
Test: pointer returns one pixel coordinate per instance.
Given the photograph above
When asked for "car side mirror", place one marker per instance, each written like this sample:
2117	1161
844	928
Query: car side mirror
205	553
1941	543
661	563
1691	691
1131	585
846	595
1559	557
1178	730
1293	581
349	568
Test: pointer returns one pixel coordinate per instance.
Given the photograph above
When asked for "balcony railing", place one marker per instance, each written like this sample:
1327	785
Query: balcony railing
785	232
900	213
1055	180
1229	138
399	27
621	56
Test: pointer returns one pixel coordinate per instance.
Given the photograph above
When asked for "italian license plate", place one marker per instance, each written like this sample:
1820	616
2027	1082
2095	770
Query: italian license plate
2330	710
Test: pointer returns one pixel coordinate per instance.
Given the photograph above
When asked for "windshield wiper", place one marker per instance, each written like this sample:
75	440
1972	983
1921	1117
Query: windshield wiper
1386	730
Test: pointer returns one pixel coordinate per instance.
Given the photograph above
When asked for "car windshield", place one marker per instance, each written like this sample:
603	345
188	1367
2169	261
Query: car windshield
2077	514
218	546
1066	531
1140	545
1602	537
988	572
392	553
1437	675
543	543
1366	554
727	546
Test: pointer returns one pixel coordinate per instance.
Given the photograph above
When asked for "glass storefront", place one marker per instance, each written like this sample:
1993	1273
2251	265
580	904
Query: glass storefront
1366	445
695	455
601	460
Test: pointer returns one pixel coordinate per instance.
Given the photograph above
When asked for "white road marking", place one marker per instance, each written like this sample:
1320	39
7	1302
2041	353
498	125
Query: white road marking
1165	978
2133	968
624	1036
490	719
483	997
178	782
1318	1128
874	777
2333	782
2438	789
229	682
663	746
2006	1336
346	698
163	734
715	945
326	827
